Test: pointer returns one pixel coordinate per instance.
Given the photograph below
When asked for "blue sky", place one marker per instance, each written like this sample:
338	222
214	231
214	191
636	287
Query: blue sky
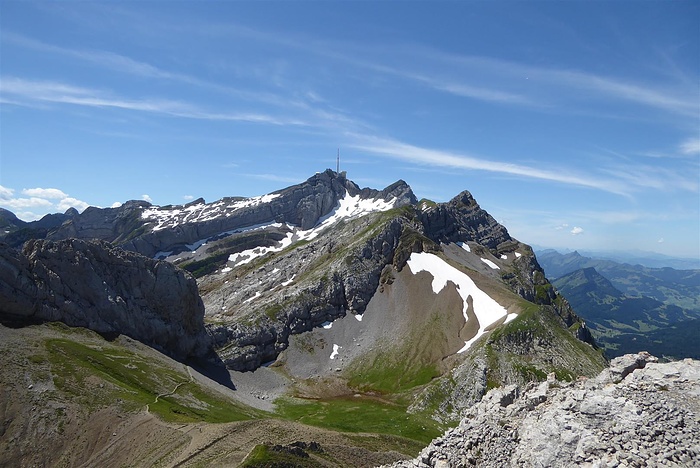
575	124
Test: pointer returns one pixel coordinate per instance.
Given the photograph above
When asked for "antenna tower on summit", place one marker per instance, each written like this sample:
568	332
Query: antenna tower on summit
337	162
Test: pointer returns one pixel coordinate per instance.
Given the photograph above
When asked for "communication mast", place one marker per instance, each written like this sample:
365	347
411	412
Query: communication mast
337	162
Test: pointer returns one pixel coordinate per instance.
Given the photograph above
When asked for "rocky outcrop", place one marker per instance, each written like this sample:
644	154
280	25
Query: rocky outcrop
95	285
636	413
9	221
461	220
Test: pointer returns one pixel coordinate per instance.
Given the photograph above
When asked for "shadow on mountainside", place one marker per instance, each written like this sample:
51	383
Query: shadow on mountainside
213	368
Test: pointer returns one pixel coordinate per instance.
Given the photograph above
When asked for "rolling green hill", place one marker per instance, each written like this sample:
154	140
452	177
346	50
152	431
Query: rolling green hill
667	285
623	324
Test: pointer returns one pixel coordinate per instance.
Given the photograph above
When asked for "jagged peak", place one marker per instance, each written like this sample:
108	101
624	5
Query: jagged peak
464	198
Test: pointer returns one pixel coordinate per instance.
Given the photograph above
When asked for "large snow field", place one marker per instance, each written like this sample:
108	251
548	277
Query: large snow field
486	309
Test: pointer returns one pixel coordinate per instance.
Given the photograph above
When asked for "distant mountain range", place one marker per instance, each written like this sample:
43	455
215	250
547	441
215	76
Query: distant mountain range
633	257
630	308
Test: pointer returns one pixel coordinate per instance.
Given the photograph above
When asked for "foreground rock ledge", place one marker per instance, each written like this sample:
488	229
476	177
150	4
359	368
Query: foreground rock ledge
636	413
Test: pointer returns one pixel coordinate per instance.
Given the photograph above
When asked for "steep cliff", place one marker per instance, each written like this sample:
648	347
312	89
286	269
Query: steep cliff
94	285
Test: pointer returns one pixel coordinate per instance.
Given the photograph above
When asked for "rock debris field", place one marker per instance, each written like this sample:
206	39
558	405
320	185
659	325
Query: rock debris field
637	413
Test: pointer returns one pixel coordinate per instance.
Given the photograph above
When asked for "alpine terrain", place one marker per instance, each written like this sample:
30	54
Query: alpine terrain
631	308
320	325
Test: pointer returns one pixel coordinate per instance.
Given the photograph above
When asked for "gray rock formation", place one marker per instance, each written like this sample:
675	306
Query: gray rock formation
95	285
636	413
342	270
462	219
339	283
15	232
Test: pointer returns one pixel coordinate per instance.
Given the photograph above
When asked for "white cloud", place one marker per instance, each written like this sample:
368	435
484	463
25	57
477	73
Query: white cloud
577	230
116	204
28	215
39	202
660	241
6	192
50	193
24	203
25	91
690	146
561	226
70	202
188	197
147	198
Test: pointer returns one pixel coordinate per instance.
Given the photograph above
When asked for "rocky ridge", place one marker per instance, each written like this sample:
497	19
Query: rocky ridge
148	229
255	308
104	288
638	412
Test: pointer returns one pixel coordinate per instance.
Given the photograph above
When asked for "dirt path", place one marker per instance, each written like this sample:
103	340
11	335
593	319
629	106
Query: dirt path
163	395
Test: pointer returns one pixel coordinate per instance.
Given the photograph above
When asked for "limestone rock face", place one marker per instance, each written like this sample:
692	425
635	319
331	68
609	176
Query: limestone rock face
95	285
462	218
637	413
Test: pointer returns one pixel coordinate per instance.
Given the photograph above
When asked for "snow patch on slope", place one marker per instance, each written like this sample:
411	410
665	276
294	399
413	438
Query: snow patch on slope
490	263
348	207
169	217
486	309
335	351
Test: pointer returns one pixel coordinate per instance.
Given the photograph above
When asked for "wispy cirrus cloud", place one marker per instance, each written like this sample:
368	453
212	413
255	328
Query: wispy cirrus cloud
433	157
543	87
654	177
690	146
307	101
618	179
28	91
